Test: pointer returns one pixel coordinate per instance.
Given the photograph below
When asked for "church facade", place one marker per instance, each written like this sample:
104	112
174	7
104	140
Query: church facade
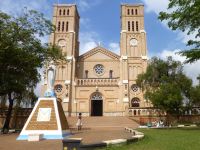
99	82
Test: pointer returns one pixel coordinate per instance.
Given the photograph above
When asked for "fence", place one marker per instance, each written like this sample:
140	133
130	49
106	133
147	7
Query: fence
18	117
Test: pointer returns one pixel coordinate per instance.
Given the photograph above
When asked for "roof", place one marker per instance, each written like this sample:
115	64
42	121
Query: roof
99	49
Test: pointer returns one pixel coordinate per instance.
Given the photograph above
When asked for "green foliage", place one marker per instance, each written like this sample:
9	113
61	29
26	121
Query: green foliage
164	139
184	15
22	53
195	95
165	84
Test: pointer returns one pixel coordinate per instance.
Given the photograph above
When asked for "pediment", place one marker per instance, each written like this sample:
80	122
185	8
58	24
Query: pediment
99	53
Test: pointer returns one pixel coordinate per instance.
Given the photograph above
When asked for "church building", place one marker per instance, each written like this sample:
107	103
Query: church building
100	82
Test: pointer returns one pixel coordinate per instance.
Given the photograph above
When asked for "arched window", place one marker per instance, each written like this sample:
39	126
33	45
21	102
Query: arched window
67	11
59	26
132	11
67	26
128	11
136	12
137	26
111	74
96	96
129	26
135	102
64	12
86	74
133	26
63	25
60	12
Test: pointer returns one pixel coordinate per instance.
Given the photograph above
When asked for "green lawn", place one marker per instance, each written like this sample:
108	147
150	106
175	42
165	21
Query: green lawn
165	139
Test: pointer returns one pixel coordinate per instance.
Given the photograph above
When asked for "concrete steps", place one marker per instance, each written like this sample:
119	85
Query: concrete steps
103	122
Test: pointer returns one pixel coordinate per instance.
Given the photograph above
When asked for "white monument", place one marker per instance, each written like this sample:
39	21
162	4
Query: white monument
47	119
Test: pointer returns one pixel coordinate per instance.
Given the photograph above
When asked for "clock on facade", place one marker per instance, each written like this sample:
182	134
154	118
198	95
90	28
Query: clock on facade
62	43
133	42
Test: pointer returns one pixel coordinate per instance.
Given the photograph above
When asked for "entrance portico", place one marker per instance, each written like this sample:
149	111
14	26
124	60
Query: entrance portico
96	104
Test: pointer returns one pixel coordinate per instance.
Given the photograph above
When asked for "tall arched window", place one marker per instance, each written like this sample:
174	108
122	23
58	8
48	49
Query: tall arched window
59	26
135	102
63	26
128	11
132	12
60	12
111	74
67	11
67	26
136	12
128	25
86	74
137	26
133	26
64	12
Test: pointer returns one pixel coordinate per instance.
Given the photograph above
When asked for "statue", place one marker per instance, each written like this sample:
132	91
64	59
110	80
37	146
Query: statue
51	74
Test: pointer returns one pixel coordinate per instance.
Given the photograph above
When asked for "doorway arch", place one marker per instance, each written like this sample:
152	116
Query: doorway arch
135	102
96	104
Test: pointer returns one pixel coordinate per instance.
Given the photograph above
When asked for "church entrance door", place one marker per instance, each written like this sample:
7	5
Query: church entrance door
96	104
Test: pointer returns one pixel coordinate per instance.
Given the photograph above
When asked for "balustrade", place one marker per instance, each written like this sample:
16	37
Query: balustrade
94	82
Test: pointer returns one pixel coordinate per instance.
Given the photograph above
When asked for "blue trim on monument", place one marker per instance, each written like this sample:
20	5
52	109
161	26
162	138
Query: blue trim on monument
46	137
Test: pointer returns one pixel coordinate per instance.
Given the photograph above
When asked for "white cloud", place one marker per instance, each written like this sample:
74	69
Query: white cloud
88	40
15	7
191	70
115	47
84	5
156	6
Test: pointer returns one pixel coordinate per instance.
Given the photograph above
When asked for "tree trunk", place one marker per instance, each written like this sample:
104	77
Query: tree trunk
8	115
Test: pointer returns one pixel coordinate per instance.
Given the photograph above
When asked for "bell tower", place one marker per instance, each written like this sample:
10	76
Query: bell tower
133	51
66	36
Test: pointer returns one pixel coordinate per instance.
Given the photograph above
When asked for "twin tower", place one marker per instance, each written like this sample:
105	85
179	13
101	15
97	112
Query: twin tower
100	82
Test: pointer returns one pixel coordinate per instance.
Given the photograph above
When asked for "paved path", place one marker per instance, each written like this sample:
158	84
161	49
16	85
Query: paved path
95	130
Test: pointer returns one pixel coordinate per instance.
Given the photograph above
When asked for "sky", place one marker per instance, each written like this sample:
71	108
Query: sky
100	22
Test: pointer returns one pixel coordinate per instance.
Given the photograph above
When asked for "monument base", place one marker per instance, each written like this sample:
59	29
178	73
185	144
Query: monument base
47	120
46	135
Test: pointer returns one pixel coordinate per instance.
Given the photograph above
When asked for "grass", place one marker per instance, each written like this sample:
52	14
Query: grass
165	139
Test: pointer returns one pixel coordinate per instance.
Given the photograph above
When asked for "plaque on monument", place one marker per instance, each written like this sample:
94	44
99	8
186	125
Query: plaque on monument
44	114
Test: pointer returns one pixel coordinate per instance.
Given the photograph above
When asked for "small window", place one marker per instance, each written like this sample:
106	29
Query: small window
128	11
59	26
128	25
68	12
64	12
63	25
132	11
136	12
86	74
137	27
111	74
133	26
126	87
60	12
67	26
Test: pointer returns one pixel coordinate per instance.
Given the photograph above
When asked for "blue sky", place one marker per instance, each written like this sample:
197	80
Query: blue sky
100	22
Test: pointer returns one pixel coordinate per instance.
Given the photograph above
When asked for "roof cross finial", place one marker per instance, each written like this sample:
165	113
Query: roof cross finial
99	43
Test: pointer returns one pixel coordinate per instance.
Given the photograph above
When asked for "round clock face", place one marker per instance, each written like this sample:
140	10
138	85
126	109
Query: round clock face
62	43
133	42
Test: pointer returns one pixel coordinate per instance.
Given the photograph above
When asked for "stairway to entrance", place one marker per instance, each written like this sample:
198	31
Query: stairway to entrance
103	122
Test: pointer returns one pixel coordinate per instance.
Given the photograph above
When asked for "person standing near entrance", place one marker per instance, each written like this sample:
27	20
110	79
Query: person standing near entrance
79	122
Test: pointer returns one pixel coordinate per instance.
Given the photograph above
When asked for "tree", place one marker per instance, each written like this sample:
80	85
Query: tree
165	84
195	96
184	15
22	54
